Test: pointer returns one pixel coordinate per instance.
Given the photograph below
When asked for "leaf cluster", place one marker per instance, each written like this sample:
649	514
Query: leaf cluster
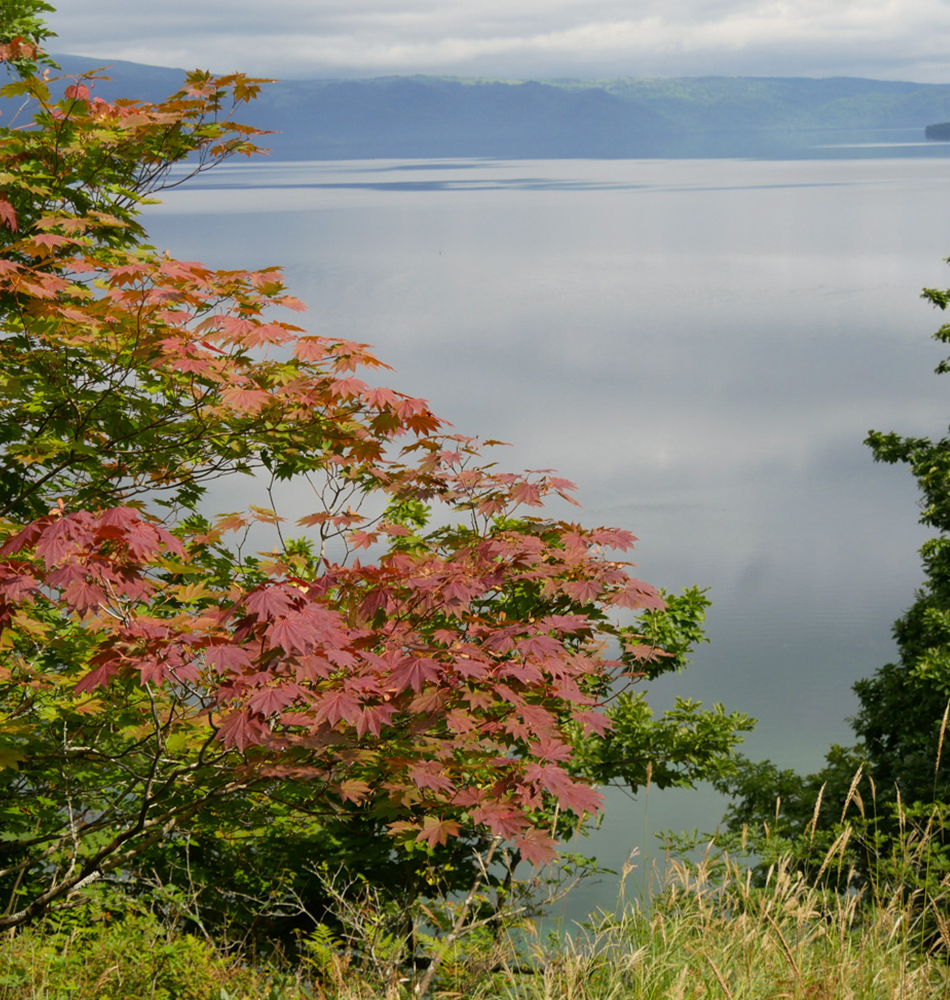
23	32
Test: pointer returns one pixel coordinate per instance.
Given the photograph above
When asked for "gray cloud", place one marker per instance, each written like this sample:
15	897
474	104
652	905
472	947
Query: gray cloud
521	38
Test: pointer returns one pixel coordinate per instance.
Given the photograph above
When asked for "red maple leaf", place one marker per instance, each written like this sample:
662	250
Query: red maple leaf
312	668
480	699
225	657
541	721
471	668
17	586
594	722
245	400
614	538
583	591
77	92
347	387
570	794
354	790
290	302
460	722
566	688
526	493
84	596
517	728
547	748
311	348
153	669
527	673
269	601
565	623
189	270
239	729
8	215
428	774
638	594
146	540
501	818
58	541
536	847
429	701
293	633
540	646
437	831
380	397
363	539
101	676
192	365
372	718
267	333
415	673
269	700
337	706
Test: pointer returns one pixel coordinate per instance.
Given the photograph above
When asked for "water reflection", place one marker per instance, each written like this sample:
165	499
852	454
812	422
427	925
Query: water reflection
703	345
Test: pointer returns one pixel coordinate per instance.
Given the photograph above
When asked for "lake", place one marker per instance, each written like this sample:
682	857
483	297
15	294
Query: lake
702	345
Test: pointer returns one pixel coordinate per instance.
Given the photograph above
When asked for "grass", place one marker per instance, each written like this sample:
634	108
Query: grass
709	932
712	933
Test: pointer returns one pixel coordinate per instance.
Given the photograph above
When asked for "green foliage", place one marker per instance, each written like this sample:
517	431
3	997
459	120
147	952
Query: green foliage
682	746
127	955
672	632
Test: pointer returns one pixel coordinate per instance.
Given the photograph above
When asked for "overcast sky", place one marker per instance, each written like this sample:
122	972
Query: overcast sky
519	39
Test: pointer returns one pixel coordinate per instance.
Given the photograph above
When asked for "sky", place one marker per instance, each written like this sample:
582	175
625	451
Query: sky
519	39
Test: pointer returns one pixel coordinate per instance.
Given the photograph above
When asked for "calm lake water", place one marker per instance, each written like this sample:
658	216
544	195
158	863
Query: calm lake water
701	344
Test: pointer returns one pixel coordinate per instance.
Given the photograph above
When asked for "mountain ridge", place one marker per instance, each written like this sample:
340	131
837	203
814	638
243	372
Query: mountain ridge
426	116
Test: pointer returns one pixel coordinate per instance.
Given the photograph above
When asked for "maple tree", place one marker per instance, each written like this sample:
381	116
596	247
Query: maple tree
450	680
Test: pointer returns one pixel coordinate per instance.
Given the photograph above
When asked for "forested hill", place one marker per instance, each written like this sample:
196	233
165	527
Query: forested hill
432	116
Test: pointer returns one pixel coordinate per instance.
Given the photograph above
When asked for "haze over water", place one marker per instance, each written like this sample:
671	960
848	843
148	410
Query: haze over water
702	345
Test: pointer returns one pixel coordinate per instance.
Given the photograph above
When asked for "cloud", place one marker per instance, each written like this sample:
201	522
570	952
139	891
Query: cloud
520	38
